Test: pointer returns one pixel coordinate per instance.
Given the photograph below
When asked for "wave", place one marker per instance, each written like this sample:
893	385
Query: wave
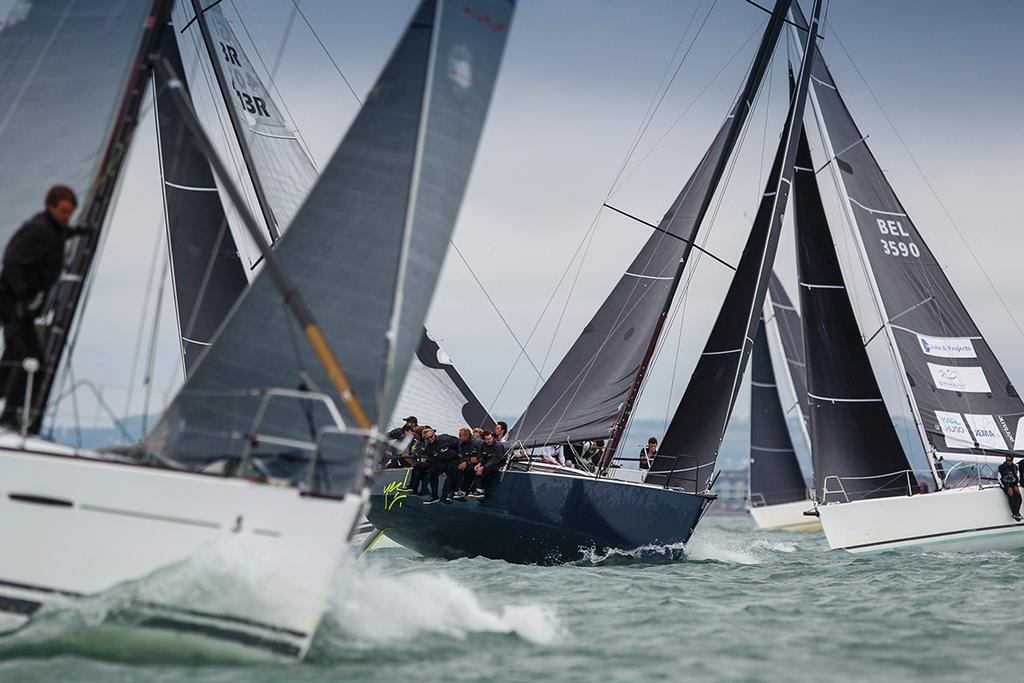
716	546
374	608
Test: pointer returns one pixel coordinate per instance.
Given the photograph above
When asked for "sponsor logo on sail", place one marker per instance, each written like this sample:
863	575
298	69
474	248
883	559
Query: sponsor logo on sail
954	429
1018	438
964	379
460	67
947	347
986	432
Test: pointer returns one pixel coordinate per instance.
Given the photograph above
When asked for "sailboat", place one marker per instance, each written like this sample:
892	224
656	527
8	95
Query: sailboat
548	514
963	404
779	496
224	509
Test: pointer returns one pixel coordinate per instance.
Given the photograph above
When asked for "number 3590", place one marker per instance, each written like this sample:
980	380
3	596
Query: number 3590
898	248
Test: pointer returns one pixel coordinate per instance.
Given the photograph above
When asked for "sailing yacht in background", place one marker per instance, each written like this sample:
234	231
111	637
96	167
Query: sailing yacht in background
779	496
964	406
226	507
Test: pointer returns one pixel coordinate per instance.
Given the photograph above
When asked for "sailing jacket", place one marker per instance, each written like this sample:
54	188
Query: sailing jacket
493	456
34	258
445	449
1008	475
468	450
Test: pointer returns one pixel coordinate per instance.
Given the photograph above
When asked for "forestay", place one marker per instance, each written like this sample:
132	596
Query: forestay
787	323
855	450
207	273
365	249
775	475
963	399
690	448
585	395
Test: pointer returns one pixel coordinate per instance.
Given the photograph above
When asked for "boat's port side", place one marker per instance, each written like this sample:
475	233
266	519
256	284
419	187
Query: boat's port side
210	558
785	516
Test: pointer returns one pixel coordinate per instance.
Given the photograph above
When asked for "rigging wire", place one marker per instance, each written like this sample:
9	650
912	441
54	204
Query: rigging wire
326	51
157	249
154	342
284	42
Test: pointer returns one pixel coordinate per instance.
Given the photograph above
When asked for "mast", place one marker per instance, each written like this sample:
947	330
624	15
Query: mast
236	123
739	116
67	299
830	152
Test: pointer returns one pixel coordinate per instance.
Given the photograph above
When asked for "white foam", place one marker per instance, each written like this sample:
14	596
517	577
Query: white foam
376	607
734	549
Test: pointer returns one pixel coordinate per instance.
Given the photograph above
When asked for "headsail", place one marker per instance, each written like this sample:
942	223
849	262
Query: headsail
690	448
371	235
964	402
787	323
207	273
775	475
70	89
855	450
585	396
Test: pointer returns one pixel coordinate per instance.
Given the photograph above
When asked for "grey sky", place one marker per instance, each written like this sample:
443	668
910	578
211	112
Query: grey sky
577	79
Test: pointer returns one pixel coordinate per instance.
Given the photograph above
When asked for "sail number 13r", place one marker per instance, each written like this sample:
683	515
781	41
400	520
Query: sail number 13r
896	247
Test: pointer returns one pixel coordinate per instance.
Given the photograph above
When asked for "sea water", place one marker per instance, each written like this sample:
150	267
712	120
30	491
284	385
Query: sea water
742	605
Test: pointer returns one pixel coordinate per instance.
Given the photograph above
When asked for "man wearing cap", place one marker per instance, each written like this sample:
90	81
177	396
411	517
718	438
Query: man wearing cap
1009	480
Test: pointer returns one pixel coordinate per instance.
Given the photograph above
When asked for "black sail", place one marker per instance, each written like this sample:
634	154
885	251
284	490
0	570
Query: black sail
365	250
775	475
791	335
962	396
855	450
690	448
208	275
584	396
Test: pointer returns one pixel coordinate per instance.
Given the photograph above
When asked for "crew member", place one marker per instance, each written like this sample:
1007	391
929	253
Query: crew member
500	431
1009	480
492	456
421	460
442	450
468	447
32	264
647	453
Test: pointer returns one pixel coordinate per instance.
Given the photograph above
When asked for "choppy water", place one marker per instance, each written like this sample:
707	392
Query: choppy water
743	606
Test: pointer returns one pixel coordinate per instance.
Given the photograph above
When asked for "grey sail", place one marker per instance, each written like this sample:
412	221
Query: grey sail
963	399
585	395
436	394
775	475
855	450
285	171
207	273
70	89
358	249
791	335
688	453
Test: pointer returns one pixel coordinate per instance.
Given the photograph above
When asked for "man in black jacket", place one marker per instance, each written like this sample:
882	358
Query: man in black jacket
491	455
468	459
1010	482
32	264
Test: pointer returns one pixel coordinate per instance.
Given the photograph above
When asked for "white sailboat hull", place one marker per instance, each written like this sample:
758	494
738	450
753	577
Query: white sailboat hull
953	520
785	517
217	565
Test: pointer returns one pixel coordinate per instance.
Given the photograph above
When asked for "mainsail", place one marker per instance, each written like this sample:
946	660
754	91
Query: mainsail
690	448
775	475
268	143
855	450
787	323
70	90
207	273
365	248
963	401
586	395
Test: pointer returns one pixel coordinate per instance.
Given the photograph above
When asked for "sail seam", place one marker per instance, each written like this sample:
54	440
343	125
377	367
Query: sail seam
720	353
190	188
808	285
844	400
648	277
879	211
764	385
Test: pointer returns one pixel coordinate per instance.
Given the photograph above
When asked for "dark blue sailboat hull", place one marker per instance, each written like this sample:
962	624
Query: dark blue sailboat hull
539	517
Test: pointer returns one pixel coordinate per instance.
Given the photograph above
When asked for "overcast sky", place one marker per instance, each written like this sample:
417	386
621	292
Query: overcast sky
577	80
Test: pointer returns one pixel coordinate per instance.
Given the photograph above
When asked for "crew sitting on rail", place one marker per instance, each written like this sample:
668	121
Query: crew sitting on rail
406	431
491	457
468	459
500	431
1009	480
648	453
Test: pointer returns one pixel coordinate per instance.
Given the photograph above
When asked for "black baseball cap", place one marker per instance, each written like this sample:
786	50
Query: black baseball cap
412	418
